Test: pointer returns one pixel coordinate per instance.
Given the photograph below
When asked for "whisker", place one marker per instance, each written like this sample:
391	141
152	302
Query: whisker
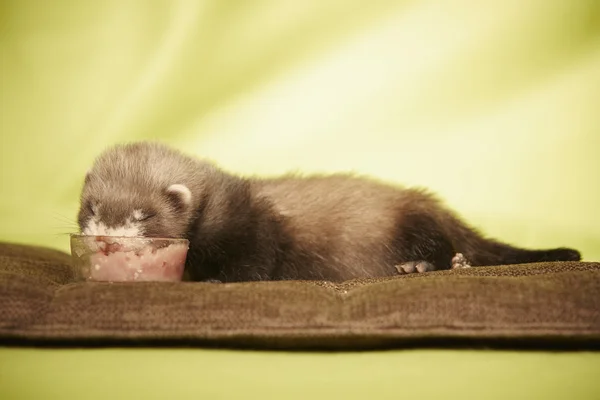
70	228
64	224
58	215
62	234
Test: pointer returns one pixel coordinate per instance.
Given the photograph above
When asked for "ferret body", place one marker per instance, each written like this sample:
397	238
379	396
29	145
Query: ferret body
334	227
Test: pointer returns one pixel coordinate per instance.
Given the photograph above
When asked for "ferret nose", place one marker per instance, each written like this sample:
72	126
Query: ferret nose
108	244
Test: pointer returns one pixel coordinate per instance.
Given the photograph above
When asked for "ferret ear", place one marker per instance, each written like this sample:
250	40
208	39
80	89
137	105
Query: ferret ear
87	176
179	195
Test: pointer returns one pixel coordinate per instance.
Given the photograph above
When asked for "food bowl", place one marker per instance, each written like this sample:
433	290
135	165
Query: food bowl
128	259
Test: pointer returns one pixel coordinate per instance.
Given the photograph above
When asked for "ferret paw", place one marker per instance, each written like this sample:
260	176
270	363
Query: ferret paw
459	261
414	266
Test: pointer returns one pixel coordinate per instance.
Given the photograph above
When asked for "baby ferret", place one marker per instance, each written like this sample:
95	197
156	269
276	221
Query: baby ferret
335	227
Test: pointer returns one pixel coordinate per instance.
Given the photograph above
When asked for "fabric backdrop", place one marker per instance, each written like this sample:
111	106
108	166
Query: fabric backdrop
494	105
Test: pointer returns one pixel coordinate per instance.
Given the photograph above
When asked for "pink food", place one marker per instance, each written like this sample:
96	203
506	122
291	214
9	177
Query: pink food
146	264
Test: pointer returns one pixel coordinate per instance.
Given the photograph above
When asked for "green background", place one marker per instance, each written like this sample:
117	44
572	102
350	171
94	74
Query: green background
492	104
221	374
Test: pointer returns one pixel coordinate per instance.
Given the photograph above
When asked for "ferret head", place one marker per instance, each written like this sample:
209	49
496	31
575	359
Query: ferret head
137	190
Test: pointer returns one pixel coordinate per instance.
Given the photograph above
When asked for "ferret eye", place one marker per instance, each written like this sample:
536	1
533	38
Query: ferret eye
146	217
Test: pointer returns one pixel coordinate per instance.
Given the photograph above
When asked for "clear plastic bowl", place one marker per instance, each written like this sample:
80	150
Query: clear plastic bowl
128	259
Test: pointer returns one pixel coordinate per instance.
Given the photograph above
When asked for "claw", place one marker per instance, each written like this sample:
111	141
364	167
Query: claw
414	266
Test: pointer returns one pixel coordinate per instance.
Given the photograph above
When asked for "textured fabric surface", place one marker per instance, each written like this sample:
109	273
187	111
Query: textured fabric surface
545	304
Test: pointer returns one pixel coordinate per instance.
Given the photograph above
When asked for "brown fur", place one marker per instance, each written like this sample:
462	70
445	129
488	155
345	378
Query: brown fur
334	227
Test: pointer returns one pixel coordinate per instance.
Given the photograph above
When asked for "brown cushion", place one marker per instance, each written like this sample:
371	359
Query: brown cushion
544	304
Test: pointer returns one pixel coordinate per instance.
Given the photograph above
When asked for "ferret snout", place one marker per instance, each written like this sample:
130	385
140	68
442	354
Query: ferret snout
96	227
108	244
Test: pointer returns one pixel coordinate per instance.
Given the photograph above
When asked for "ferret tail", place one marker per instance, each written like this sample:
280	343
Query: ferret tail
481	251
